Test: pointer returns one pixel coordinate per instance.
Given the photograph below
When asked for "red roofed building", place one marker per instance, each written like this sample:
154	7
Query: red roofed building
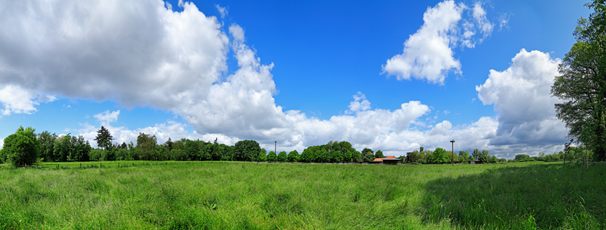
388	160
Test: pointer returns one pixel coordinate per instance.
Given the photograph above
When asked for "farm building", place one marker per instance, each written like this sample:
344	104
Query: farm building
388	160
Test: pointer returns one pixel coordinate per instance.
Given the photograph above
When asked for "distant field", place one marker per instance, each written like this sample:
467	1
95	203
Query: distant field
232	195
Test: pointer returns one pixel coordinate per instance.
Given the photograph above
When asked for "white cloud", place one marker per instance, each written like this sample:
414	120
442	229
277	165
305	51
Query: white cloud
428	53
107	117
521	95
441	128
360	103
504	21
135	53
17	100
479	14
222	10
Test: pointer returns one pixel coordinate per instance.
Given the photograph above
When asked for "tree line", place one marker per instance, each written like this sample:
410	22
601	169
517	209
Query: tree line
25	147
440	156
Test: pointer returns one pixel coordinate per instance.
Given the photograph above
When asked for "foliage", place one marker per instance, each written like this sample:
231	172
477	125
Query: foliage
96	155
293	156
368	155
282	157
146	145
262	155
104	138
476	154
272	156
413	156
379	154
582	85
21	148
464	156
484	156
47	144
246	150
452	156
520	157
439	156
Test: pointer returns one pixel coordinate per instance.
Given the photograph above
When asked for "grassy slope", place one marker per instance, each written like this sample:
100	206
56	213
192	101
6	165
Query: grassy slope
227	195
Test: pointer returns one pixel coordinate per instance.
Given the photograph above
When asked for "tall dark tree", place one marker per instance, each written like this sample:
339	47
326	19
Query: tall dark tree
169	144
104	138
582	85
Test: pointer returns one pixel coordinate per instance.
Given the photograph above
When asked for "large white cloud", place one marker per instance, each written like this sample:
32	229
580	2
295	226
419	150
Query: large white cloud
521	95
428	53
132	52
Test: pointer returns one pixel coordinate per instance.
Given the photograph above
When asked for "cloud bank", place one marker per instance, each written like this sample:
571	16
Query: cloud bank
143	53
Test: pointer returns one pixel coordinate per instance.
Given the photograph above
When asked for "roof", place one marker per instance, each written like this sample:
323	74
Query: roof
387	158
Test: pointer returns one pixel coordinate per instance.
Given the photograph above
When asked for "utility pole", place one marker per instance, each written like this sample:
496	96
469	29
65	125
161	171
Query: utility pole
452	158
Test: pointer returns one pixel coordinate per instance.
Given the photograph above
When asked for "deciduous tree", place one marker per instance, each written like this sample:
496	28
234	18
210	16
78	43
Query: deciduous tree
582	85
21	148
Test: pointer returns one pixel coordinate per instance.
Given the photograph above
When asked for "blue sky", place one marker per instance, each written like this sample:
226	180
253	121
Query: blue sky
301	73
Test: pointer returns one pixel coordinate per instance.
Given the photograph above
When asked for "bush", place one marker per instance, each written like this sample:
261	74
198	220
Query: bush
21	148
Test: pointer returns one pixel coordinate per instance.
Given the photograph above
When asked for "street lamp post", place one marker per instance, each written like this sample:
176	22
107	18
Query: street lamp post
452	158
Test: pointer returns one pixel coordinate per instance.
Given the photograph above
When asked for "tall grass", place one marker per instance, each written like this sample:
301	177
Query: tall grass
231	195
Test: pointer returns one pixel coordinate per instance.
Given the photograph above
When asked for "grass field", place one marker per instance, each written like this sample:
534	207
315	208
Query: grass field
231	195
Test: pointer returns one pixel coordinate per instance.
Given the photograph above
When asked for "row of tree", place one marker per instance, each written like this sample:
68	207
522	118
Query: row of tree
570	154
25	147
440	156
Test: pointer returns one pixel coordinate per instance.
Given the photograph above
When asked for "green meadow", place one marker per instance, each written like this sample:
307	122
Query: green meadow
238	195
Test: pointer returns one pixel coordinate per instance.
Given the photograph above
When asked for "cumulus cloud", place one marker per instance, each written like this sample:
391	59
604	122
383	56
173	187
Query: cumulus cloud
360	103
135	53
428	53
521	95
107	117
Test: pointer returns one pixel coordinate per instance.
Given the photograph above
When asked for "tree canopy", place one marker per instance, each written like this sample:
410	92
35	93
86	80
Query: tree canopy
582	84
21	148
